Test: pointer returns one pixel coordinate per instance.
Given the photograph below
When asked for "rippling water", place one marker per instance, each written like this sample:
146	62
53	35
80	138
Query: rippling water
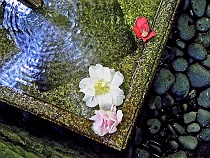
58	43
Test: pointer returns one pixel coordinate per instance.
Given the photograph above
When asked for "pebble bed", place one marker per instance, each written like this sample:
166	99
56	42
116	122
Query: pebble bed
175	119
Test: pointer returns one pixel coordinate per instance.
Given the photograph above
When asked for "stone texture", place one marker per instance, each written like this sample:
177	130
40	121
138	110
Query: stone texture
199	76
204	98
163	81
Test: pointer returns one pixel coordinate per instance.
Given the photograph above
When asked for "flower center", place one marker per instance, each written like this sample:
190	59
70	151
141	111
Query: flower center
101	87
144	33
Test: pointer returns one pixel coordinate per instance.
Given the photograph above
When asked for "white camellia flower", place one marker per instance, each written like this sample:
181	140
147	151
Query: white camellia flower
102	87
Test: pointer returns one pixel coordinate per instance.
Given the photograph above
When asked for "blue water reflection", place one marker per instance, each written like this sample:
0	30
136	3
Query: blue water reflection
45	49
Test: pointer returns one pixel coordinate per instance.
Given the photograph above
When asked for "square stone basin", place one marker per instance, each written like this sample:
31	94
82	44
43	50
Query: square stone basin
53	93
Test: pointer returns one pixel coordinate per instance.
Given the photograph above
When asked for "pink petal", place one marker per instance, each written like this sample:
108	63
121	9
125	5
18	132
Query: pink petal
137	31
140	21
150	35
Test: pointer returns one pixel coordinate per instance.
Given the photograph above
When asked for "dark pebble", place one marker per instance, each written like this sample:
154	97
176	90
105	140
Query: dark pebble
168	101
197	51
206	62
204	98
203	117
205	134
163	81
180	88
199	76
186	27
203	24
198	7
180	64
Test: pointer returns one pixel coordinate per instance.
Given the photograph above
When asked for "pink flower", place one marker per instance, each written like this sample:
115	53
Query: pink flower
141	28
106	121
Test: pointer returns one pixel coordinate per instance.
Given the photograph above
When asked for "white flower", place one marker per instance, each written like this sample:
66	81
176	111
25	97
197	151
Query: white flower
102	87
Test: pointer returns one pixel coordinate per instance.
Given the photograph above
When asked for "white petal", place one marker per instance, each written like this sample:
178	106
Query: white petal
105	101
117	79
85	82
93	71
118	99
119	115
91	101
106	75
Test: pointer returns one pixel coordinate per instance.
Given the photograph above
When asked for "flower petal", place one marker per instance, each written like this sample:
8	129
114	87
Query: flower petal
105	101
91	101
140	21
117	79
93	71
150	35
137	31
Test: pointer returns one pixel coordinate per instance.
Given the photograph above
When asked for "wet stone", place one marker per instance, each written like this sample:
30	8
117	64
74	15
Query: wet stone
197	51
163	81
208	11
206	62
168	101
193	127
174	145
180	44
199	76
175	111
155	102
203	117
205	134
189	117
204	98
178	154
153	125
180	64
172	130
204	39
203	24
177	52
189	142
186	4
142	153
179	128
186	27
198	7
180	88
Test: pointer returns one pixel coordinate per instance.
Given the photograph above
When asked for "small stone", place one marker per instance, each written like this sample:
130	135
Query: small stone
175	111
197	51
185	106
206	62
204	39
178	154
153	125
199	76
205	134
208	11
174	145
180	64
138	137
186	27
177	52
180	44
203	24
155	102
193	127
142	153
179	128
186	4
163	81
172	130
198	7
204	98
192	94
189	117
181	86
168	101
189	142
203	117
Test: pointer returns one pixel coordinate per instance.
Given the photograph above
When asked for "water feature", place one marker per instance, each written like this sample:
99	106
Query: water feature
54	46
